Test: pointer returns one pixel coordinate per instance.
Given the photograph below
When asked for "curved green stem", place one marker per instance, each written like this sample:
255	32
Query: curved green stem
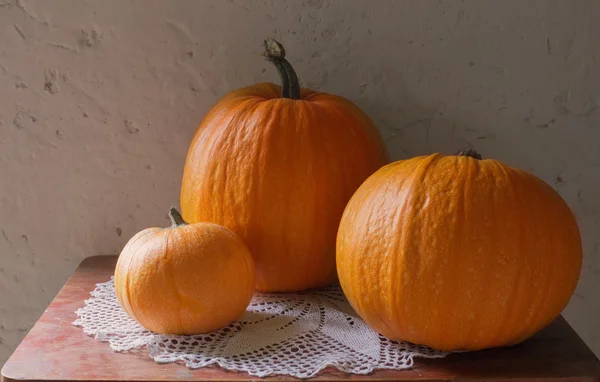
275	53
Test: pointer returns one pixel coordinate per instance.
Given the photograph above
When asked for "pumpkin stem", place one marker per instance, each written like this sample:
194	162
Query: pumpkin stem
275	52
176	218
469	153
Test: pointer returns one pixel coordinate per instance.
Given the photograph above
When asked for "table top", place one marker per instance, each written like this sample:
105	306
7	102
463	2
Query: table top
55	350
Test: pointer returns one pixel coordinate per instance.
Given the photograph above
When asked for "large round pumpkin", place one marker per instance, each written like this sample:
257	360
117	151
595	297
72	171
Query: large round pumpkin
185	279
457	253
277	165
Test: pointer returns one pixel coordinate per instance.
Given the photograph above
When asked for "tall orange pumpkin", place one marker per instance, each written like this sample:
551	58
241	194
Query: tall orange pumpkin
457	253
277	167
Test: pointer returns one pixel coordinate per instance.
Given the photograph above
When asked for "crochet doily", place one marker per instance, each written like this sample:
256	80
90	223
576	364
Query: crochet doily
280	334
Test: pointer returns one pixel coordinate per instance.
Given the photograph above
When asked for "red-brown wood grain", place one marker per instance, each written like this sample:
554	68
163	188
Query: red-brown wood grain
54	350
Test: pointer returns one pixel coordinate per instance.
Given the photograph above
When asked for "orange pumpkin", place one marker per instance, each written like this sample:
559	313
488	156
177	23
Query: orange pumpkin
185	279
457	253
277	167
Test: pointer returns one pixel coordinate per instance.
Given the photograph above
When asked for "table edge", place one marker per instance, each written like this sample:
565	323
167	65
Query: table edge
4	377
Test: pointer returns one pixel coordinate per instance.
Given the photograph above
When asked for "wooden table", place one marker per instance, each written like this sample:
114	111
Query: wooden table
54	350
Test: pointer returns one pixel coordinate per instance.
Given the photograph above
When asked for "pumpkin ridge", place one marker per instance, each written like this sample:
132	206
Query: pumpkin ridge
224	139
535	289
511	319
132	292
397	243
128	303
467	184
415	261
556	237
524	323
546	287
454	186
514	178
169	268
394	244
257	174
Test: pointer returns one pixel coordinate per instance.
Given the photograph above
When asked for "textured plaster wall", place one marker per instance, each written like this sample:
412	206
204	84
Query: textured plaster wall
98	100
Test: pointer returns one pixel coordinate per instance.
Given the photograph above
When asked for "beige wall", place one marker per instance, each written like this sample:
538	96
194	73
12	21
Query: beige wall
99	99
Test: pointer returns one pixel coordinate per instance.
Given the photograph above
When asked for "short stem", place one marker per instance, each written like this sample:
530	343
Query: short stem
176	218
469	153
290	85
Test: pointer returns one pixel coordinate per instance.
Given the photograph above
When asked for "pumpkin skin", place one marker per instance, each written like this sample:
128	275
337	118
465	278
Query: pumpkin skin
186	279
278	172
457	253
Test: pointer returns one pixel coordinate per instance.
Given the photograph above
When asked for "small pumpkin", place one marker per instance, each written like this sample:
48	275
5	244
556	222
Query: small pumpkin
457	253
185	279
277	165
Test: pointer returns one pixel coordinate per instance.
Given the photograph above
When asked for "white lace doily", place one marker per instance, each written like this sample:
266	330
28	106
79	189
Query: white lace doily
280	334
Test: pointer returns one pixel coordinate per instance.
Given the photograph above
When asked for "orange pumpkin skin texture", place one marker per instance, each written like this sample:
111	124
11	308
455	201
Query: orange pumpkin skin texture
278	172
457	253
186	279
